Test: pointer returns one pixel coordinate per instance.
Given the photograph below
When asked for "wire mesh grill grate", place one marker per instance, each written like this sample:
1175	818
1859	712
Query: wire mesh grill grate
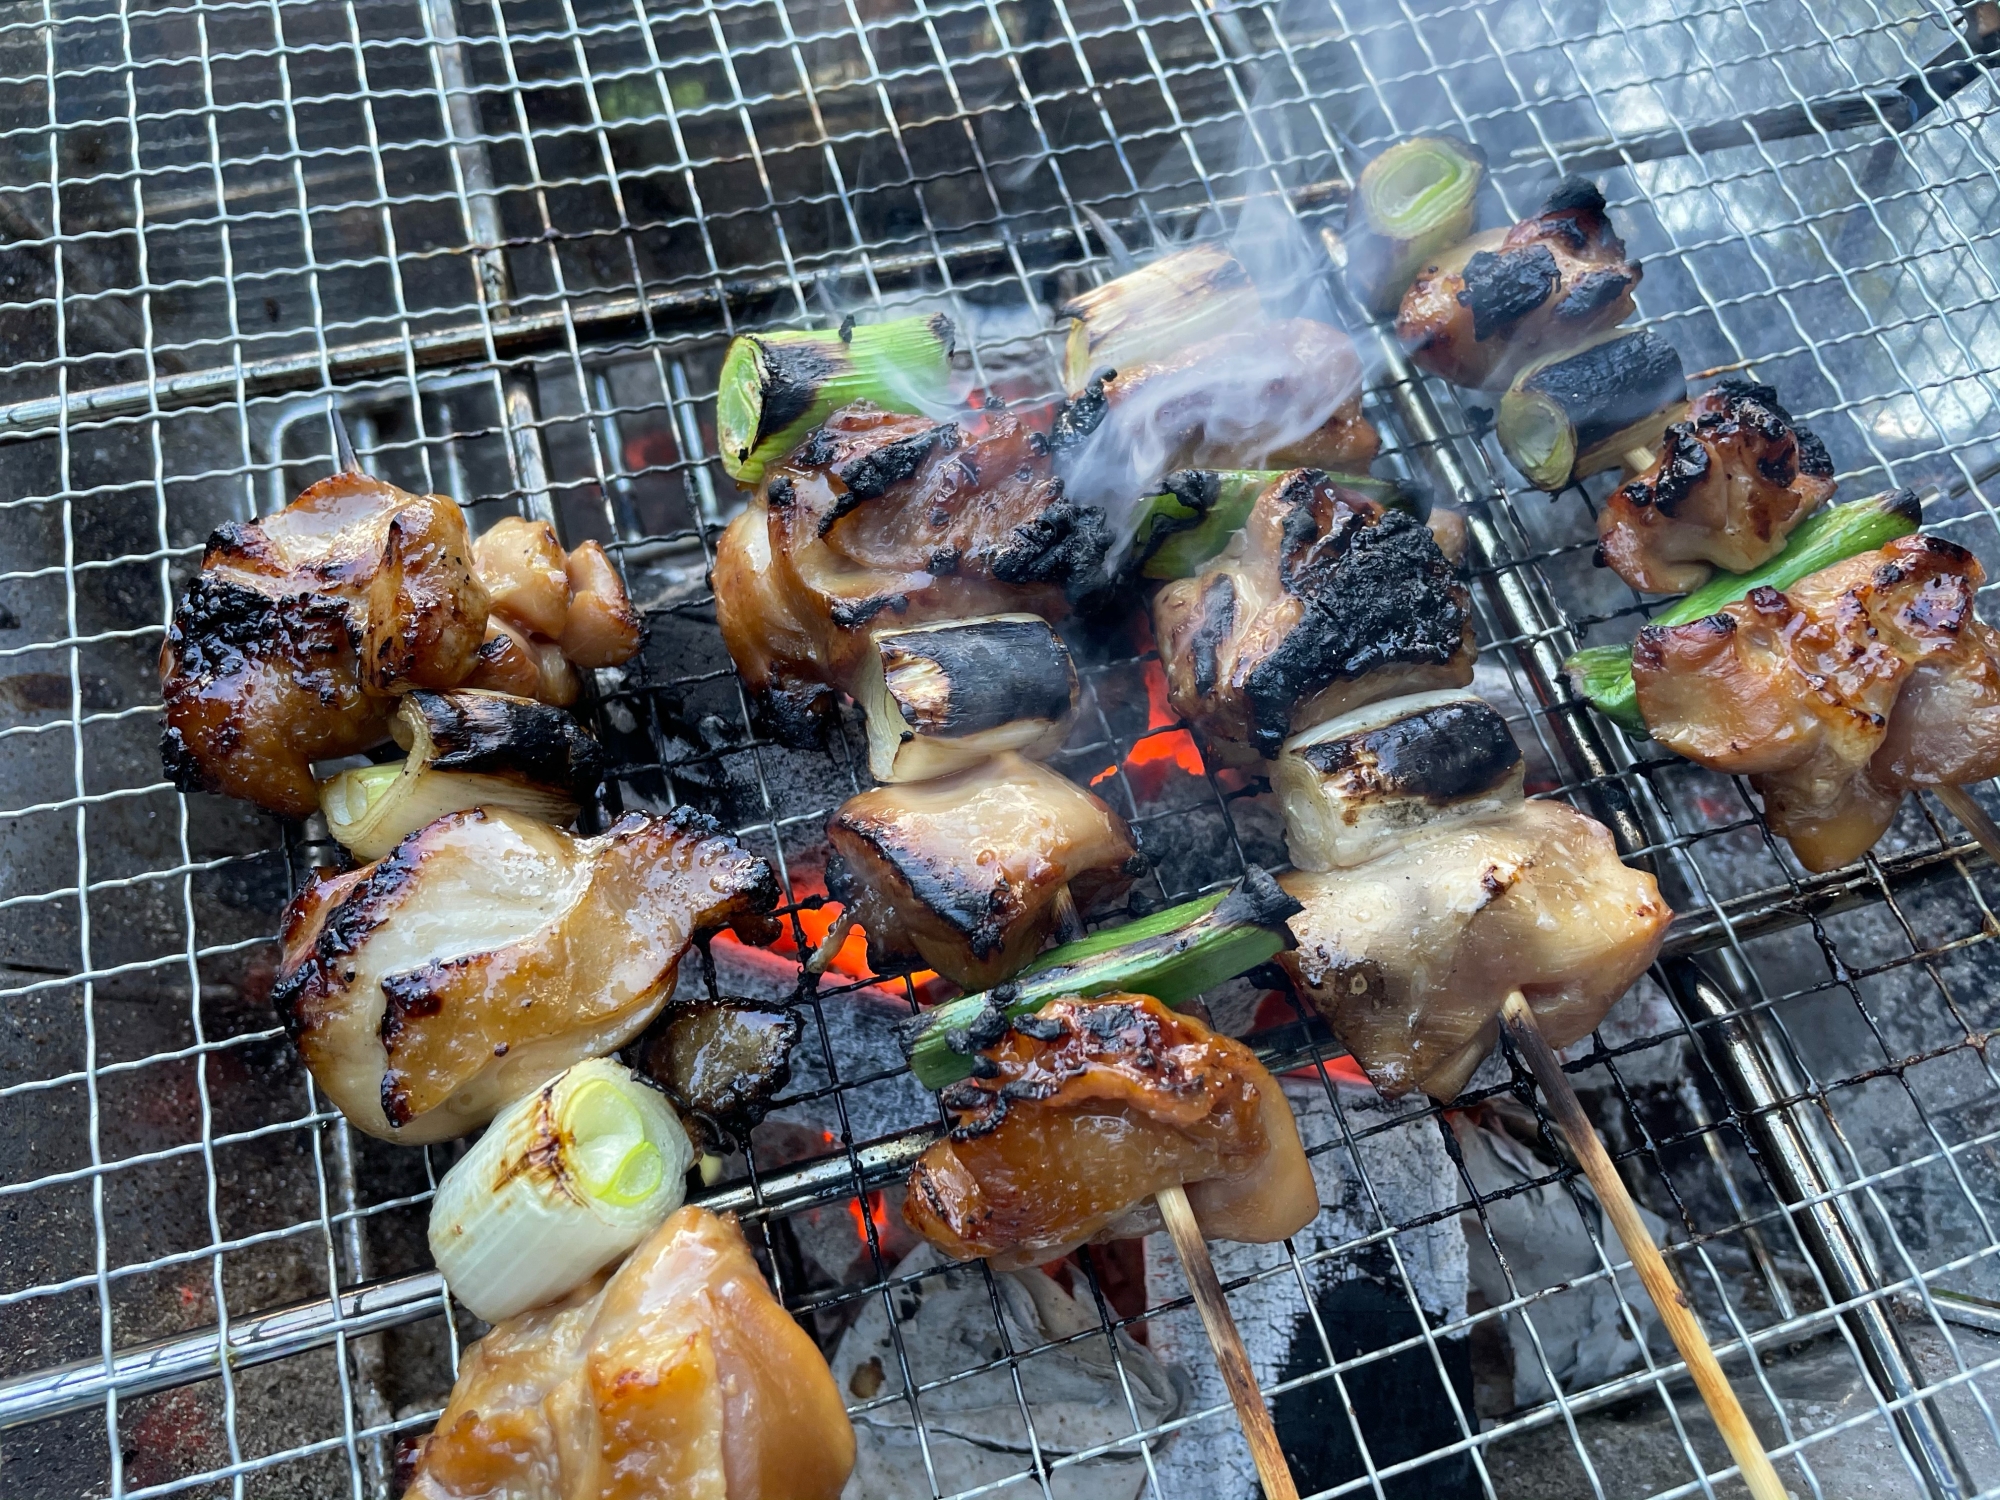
511	243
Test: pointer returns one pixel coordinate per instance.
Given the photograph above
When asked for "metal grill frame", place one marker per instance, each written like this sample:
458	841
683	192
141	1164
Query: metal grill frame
513	351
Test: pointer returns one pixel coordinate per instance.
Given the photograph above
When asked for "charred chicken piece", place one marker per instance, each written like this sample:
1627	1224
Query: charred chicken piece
291	644
679	1377
1410	955
1267	396
553	611
1478	313
1086	1109
963	874
1325	601
1837	696
1729	484
721	1061
490	951
879	519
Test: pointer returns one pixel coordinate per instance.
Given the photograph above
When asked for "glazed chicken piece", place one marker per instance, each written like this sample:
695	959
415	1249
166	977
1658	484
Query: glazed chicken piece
678	1378
879	519
1090	1107
553	611
1266	397
1729	484
1837	696
962	874
490	951
1323	602
1410	955
291	643
1481	312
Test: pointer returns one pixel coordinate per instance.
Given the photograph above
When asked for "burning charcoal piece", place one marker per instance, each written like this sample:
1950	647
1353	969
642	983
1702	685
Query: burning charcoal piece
1481	311
721	1061
1076	1124
1332	601
879	520
1838	695
489	951
965	874
1727	486
941	697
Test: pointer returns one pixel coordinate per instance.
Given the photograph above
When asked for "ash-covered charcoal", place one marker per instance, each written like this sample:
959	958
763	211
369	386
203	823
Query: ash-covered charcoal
880	520
1332	601
721	1061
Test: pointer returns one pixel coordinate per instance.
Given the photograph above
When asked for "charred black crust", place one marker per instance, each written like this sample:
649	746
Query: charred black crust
1683	464
1441	754
1813	459
1903	503
987	1026
1218	623
1257	900
497	735
851	614
1064	545
998	671
869	474
978	913
1574	195
1504	287
1376	592
1607	387
794	711
1080	416
1594	291
793	374
726	1113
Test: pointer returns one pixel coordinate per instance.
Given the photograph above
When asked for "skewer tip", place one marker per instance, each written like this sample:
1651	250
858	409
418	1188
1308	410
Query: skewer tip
344	457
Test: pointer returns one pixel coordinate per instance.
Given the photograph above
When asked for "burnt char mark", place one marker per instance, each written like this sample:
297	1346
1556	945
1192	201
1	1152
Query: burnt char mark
869	474
492	734
795	711
979	913
1813	459
1592	292
1683	464
995	671
1080	416
1608	387
1574	195
1064	545
793	375
1745	396
1375	594
851	614
1442	754
1258	900
1218	623
1503	288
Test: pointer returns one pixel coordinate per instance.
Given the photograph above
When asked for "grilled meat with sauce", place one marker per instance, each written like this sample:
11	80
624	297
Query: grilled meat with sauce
962	874
678	1378
1729	484
1086	1109
1862	682
1480	312
553	611
881	519
489	951
1323	602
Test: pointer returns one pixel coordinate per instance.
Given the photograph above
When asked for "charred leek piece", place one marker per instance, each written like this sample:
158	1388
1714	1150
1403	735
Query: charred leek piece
1603	674
562	1183
1173	955
1198	510
777	387
1413	200
466	749
1158	310
939	697
1362	783
1579	412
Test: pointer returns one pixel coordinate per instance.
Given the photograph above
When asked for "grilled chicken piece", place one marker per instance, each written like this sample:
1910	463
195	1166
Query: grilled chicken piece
1837	696
1089	1108
1410	955
292	642
1728	486
1263	397
490	951
1323	602
679	1378
552	612
879	519
1480	312
962	874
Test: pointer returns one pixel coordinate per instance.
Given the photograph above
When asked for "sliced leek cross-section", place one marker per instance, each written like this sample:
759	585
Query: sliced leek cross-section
466	749
1577	413
1415	199
939	697
562	1183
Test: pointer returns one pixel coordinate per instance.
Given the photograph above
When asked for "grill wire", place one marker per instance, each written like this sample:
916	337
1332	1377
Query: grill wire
511	242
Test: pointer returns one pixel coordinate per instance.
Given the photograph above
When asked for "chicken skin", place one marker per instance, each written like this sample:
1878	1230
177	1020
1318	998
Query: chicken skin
1838	696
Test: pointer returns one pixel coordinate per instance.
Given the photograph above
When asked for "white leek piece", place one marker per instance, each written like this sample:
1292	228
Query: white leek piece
1149	314
563	1182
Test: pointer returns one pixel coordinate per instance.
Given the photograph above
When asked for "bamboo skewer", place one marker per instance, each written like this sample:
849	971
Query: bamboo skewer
1959	802
1227	1342
1716	1392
